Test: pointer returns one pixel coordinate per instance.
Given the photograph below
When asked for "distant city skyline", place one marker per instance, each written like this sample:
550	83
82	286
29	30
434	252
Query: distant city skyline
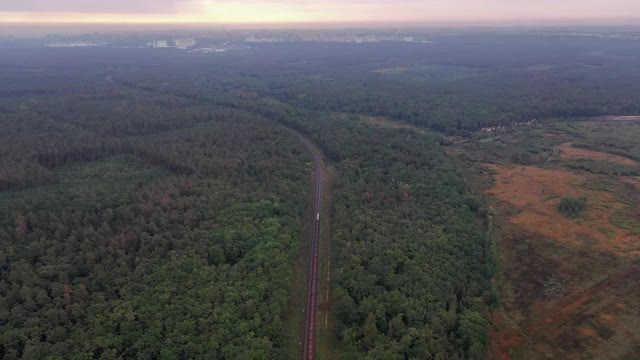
308	11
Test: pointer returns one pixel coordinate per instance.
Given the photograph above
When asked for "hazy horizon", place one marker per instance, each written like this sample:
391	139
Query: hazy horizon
40	29
310	12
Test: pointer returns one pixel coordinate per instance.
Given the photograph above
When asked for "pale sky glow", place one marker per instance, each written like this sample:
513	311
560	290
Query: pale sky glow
292	11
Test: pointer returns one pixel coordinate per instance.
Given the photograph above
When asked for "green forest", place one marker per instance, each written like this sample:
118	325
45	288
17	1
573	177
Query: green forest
161	244
152	205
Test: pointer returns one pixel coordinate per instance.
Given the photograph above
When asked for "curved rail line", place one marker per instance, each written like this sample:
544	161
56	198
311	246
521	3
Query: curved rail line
308	350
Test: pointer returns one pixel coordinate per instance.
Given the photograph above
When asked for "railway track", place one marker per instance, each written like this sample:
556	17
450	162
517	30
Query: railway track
308	343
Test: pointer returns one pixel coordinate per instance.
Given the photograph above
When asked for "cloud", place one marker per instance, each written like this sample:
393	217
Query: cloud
312	10
423	9
91	6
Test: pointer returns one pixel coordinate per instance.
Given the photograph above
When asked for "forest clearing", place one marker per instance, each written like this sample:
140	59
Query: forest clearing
550	307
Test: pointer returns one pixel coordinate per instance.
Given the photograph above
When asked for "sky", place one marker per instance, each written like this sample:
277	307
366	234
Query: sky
312	11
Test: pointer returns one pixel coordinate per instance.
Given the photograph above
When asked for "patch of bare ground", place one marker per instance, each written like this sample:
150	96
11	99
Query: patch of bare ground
554	134
569	288
391	70
380	121
617	118
569	152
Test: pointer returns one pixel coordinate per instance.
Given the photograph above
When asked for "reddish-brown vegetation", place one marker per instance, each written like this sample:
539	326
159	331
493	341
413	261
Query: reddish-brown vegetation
535	192
564	283
570	152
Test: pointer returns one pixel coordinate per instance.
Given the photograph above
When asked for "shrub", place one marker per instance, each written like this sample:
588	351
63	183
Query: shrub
572	207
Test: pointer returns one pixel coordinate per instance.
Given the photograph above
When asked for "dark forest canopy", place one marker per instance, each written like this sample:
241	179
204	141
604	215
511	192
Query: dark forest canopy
173	244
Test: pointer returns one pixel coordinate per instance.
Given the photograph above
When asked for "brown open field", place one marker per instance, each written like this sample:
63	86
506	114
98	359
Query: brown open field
569	288
569	152
535	192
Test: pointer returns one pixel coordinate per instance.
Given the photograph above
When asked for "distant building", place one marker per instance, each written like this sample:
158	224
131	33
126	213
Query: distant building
158	44
265	39
184	43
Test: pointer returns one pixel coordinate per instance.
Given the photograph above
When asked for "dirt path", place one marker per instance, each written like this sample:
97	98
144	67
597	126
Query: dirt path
617	118
584	298
505	343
